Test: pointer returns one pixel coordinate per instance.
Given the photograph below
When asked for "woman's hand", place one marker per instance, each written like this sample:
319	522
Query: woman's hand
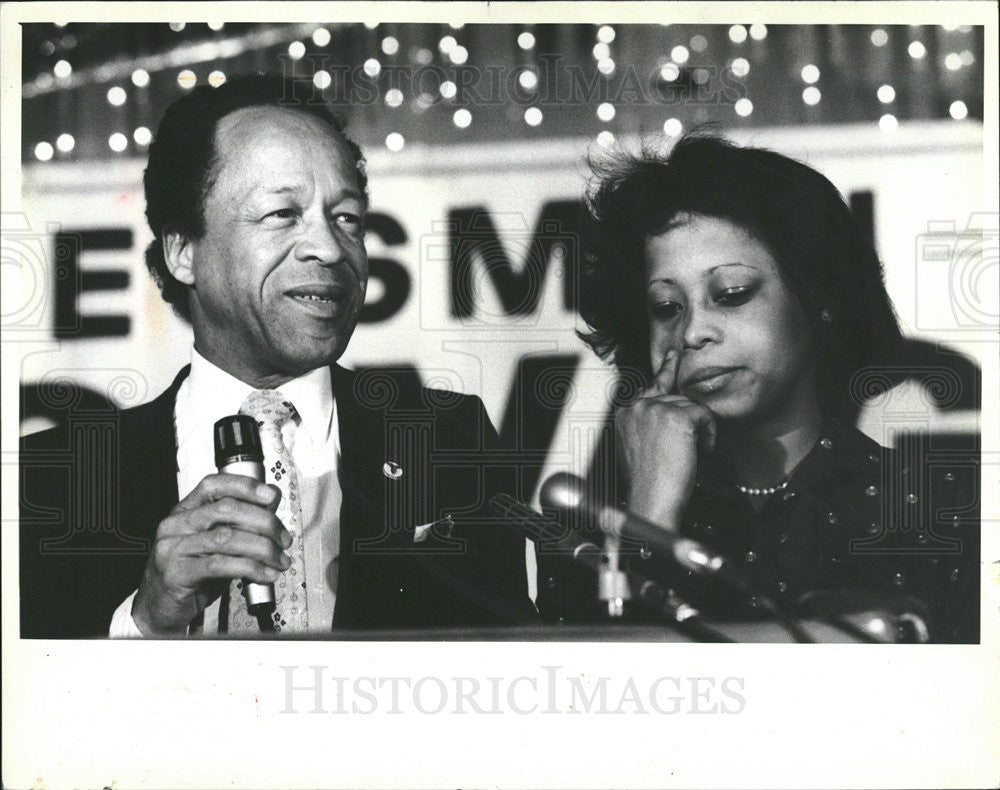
660	437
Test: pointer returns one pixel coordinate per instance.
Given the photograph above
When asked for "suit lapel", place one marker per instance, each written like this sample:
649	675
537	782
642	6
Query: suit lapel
149	460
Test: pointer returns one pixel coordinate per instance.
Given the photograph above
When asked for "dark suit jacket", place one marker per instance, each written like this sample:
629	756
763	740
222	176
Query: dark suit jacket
95	488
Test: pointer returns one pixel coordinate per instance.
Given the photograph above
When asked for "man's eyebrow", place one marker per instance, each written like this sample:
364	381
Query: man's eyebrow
285	189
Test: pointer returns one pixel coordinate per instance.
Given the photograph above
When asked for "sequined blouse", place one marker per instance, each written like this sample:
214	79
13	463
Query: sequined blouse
855	518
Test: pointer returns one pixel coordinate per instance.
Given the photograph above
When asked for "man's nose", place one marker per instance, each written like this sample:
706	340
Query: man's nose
319	242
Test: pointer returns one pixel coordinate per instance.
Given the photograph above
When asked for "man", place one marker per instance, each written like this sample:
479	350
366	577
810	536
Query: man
368	520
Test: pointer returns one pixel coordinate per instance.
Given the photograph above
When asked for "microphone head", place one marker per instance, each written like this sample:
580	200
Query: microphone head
563	491
237	439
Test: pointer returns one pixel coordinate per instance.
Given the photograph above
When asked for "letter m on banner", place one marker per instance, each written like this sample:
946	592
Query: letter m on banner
478	255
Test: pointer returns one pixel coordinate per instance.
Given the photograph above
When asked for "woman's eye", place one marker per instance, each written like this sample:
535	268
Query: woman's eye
665	311
733	297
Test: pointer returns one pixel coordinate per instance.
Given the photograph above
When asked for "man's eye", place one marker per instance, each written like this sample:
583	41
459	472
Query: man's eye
666	311
734	297
282	213
352	223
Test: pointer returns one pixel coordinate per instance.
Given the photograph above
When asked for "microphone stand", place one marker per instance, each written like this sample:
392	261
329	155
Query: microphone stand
647	591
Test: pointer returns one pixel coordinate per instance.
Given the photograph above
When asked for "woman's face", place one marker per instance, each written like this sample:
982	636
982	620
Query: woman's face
716	295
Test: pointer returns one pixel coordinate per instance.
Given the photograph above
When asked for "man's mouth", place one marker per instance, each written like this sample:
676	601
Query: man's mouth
318	294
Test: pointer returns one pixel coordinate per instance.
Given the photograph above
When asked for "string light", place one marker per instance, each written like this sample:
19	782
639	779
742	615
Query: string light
118	142
322	79
44	152
65	142
462	118
448	89
700	76
62	69
672	127
886	94
811	95
879	37
605	111
606	34
393	97
810	73
737	34
217	78
394	141
740	67
606	66
669	72
743	107
917	50
140	78
606	139
958	110
456	25
116	96
758	32
698	43
187	79
142	136
422	55
888	123
526	40
371	25
967	57
532	116
321	37
372	67
528	80
601	51
458	55
296	50
390	45
177	27
953	61
679	54
216	26
447	44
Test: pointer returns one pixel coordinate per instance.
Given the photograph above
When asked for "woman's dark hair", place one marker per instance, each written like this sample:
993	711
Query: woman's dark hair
826	260
183	160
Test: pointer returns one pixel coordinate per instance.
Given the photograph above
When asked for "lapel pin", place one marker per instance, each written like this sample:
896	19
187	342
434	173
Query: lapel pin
392	470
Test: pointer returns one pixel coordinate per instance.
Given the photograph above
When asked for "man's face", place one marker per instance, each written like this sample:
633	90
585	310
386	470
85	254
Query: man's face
279	275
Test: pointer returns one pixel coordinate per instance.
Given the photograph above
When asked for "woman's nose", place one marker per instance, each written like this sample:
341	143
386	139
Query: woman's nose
700	327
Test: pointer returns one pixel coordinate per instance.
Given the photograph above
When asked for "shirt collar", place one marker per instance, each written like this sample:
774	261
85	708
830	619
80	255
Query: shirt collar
219	393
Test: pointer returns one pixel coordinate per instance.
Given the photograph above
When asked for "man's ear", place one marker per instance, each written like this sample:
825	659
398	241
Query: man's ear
178	252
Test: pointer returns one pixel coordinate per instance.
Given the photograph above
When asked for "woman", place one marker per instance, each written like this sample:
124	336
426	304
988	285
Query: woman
735	282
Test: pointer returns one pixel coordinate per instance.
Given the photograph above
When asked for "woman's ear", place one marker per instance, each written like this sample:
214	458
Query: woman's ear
178	253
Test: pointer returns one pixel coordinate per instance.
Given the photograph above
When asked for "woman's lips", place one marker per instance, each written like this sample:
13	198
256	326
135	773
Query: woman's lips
709	380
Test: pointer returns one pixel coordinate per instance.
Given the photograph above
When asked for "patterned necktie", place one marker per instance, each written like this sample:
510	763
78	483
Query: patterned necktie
272	411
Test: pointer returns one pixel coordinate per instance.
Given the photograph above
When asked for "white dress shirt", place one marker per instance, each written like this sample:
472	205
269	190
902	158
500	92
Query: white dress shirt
207	395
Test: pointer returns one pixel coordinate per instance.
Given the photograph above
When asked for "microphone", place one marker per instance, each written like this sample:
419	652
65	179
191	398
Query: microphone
541	529
238	452
564	491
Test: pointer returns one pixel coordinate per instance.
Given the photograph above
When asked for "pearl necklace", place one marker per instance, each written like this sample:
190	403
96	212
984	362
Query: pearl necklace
763	491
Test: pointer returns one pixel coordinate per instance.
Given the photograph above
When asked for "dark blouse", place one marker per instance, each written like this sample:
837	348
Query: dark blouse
857	523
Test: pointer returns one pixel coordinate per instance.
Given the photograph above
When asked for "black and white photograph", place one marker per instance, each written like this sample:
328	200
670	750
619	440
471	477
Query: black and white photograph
480	384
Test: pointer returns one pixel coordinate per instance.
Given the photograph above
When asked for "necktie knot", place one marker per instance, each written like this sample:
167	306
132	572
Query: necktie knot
269	407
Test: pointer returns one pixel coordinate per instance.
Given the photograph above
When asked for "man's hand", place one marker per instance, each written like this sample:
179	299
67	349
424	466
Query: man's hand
224	529
660	437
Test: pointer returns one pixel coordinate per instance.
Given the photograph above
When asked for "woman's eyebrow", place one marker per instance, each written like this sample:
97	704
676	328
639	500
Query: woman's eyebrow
707	272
